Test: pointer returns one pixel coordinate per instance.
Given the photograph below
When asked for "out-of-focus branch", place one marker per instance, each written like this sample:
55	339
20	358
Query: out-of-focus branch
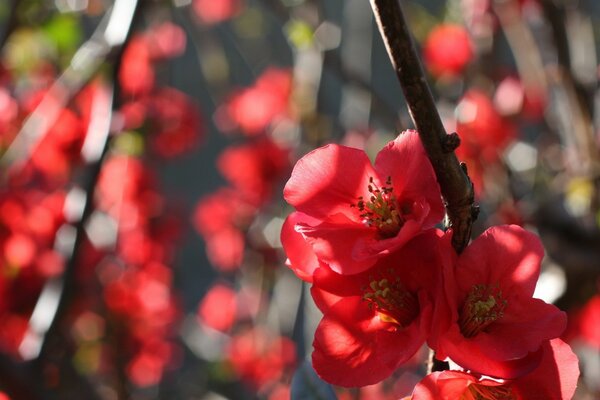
456	186
104	44
556	16
333	63
52	347
123	13
573	112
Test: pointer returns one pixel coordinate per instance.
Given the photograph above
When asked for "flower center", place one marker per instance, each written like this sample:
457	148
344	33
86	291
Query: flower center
483	306
392	301
484	392
381	209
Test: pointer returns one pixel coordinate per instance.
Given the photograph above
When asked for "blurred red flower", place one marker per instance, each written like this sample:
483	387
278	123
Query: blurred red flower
261	357
221	218
218	308
253	168
253	109
484	134
447	50
215	11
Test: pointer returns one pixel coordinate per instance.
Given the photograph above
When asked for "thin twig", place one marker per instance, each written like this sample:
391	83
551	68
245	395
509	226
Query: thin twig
124	12
333	63
455	184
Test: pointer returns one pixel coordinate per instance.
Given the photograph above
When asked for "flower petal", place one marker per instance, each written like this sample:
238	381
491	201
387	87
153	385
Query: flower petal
522	329
333	241
405	161
506	254
301	257
353	347
469	355
555	378
327	180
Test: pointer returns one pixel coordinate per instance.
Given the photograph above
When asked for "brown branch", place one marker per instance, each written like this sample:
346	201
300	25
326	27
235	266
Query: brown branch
455	184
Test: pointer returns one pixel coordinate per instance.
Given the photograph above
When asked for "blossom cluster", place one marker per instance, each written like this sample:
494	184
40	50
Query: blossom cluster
387	281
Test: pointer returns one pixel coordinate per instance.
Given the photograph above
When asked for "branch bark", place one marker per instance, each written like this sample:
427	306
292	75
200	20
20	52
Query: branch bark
455	184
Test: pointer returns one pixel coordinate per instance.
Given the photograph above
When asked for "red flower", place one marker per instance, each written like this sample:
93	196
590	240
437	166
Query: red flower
447	50
254	168
136	75
218	308
261	357
362	212
588	321
221	218
554	379
376	320
215	11
495	327
483	132
177	122
253	109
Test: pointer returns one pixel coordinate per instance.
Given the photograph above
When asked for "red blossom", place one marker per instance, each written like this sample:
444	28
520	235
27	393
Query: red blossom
447	50
495	326
364	212
177	123
376	320
215	11
136	75
261	357
222	218
218	308
588	322
167	40
254	168
483	132
252	109
554	379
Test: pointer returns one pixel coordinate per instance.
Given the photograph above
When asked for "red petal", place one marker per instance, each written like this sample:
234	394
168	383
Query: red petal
323	300
373	248
522	329
352	347
469	355
327	180
302	258
413	178
333	243
555	378
506	254
443	385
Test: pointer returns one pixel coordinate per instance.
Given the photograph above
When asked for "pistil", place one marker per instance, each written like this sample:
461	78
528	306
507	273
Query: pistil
381	210
483	306
393	302
485	392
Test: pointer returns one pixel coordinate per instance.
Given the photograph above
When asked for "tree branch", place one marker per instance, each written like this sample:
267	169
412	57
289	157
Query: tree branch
455	184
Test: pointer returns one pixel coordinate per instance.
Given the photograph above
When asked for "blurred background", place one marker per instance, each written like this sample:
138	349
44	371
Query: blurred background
145	144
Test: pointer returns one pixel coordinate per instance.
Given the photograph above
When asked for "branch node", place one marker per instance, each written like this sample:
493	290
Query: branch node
450	142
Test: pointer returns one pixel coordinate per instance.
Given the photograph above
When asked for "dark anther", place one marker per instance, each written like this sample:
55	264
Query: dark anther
450	142
463	166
